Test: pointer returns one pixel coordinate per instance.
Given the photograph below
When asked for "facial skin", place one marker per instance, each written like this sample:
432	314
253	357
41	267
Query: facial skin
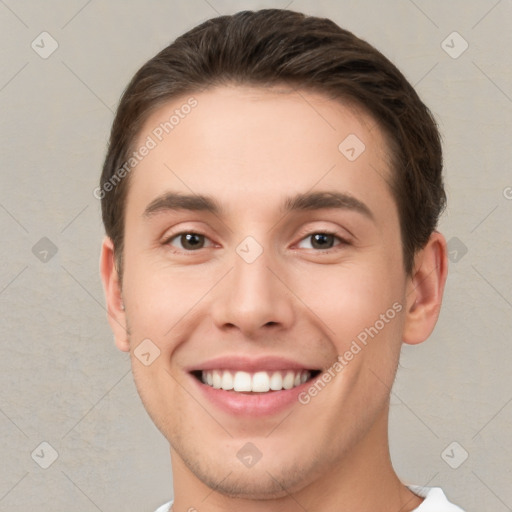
250	149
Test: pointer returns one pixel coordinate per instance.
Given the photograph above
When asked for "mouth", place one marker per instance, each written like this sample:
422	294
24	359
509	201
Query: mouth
255	382
255	387
253	392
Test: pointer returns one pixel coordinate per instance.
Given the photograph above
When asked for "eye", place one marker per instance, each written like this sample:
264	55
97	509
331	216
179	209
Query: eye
320	240
189	241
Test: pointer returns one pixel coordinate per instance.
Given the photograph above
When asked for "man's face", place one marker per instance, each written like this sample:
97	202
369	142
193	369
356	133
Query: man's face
263	289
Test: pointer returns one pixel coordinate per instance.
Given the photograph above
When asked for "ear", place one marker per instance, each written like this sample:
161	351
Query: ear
425	290
112	289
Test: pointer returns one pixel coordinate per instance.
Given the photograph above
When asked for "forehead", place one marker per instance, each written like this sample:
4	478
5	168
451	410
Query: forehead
253	144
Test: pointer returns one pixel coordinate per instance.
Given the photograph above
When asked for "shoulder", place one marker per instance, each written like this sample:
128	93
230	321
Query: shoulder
435	500
164	508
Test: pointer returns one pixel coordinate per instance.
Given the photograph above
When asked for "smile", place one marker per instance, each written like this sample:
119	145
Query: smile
253	387
254	382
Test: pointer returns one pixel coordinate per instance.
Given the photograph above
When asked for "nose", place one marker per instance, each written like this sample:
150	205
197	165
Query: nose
253	298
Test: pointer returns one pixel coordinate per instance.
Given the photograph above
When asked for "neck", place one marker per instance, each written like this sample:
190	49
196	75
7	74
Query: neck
362	480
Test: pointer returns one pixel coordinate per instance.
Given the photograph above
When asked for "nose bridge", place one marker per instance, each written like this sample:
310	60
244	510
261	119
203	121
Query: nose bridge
253	279
252	296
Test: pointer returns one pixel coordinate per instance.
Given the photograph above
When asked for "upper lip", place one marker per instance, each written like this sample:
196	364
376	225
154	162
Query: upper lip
266	363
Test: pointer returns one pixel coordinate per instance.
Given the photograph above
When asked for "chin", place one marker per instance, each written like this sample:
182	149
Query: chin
244	484
268	479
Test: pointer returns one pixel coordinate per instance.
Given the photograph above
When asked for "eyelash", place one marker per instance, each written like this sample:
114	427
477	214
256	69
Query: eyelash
341	240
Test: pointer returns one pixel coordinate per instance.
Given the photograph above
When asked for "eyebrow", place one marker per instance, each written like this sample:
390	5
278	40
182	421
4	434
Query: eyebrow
170	201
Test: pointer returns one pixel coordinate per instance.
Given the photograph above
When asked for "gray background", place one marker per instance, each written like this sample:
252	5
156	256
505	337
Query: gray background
63	382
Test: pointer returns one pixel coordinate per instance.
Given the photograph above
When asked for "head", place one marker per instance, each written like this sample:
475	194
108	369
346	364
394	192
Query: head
307	173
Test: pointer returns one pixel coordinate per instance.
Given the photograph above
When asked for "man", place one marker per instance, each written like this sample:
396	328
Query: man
270	197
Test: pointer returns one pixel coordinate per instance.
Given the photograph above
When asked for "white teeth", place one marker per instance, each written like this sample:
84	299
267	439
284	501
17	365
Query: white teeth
260	382
216	379
276	381
227	381
288	380
242	381
257	382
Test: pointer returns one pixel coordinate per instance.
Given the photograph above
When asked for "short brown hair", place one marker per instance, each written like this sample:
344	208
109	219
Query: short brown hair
280	47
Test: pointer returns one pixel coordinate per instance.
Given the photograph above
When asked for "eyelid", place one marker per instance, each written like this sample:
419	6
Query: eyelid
343	235
183	228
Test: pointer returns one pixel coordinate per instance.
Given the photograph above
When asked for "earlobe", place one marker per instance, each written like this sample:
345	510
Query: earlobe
112	289
425	290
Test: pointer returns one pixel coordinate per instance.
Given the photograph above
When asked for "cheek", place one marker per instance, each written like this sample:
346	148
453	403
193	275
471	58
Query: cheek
157	297
165	305
350	298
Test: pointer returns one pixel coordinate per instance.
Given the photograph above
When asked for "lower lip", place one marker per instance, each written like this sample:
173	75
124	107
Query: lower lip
253	404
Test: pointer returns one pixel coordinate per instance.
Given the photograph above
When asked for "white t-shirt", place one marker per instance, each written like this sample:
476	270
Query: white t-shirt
435	501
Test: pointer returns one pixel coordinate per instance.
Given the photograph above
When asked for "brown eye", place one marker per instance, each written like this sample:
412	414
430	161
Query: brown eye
188	241
320	241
